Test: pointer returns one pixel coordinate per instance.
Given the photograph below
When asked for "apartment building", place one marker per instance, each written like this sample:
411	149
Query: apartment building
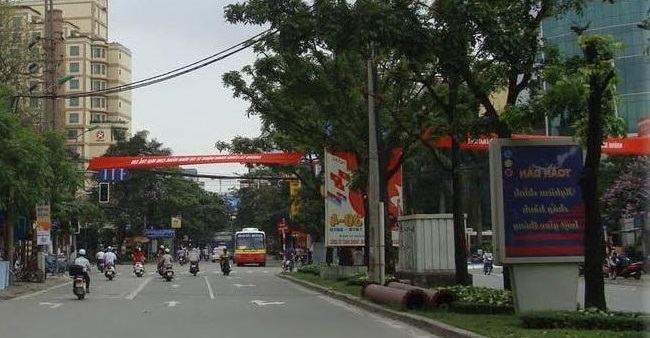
91	117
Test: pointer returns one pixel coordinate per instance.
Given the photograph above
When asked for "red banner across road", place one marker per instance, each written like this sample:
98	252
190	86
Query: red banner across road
633	145
142	162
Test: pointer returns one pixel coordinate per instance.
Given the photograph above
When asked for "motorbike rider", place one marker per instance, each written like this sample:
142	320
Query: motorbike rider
487	260
100	257
223	256
109	257
138	256
193	256
82	261
166	259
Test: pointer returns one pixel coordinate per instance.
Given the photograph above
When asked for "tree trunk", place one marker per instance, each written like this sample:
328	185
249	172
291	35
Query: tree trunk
460	245
594	239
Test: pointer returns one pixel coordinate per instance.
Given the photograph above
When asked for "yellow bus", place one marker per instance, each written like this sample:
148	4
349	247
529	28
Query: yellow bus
250	247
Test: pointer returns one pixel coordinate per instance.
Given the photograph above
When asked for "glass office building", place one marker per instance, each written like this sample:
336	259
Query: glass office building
633	63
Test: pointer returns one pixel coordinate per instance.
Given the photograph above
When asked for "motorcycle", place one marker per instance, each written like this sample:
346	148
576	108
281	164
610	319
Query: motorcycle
487	266
168	273
109	272
626	269
287	265
100	266
138	269
225	266
182	260
78	281
194	268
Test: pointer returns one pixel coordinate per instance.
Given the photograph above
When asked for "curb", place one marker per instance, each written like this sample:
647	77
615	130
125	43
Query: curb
426	324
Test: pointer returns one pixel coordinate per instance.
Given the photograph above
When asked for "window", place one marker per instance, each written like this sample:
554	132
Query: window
98	52
73	84
74	50
73	118
71	134
97	118
73	102
98	85
98	69
98	102
74	67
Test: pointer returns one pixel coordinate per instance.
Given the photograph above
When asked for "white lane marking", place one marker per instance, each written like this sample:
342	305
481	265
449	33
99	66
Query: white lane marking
175	286
243	285
172	303
207	282
51	305
135	292
262	303
40	292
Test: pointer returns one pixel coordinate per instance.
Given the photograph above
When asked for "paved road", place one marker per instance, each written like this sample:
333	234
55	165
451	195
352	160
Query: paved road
622	294
252	302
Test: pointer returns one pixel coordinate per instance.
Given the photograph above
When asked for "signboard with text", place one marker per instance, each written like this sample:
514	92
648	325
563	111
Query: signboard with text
344	207
537	201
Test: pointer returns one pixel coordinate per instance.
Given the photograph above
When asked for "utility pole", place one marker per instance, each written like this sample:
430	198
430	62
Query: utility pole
376	270
53	31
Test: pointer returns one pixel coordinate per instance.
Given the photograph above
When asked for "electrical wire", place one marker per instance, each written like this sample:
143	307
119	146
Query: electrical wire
172	73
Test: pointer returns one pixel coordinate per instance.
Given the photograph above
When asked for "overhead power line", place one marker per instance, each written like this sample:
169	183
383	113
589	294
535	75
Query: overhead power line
172	73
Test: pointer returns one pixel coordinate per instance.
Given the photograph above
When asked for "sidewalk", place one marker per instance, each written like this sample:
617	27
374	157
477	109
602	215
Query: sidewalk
426	324
24	288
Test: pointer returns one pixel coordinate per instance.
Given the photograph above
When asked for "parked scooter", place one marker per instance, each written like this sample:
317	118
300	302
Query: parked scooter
168	272
138	269
194	268
626	268
109	272
78	281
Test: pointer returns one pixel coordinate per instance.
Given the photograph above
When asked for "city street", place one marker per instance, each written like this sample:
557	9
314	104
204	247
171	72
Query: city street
251	302
622	294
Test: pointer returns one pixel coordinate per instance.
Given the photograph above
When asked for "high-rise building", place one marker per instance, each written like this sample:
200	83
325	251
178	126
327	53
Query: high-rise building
620	20
80	48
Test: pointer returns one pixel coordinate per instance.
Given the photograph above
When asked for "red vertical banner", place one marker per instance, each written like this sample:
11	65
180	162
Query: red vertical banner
344	207
394	194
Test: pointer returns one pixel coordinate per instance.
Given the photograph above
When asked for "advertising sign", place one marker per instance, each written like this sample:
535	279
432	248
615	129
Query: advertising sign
344	208
394	192
539	212
176	222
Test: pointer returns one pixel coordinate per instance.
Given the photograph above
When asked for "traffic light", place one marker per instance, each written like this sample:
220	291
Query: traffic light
103	192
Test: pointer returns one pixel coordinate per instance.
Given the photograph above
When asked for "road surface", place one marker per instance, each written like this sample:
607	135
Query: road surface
252	302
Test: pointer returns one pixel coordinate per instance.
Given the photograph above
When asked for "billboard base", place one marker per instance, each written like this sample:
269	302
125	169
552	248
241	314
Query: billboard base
539	287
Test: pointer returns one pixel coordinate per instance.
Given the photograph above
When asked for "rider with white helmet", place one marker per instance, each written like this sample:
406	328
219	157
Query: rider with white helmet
82	261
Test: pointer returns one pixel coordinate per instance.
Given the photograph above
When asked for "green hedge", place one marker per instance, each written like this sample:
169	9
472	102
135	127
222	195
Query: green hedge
313	269
587	320
478	308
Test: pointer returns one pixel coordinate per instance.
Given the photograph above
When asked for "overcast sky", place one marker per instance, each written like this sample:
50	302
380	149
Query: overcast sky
189	113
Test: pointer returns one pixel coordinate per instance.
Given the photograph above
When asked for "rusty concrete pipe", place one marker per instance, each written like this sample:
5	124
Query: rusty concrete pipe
430	293
404	299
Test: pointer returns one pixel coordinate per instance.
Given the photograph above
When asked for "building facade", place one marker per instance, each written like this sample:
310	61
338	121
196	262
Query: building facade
91	117
619	20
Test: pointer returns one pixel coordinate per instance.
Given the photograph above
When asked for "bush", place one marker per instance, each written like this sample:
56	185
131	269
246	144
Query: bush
359	278
484	309
586	320
481	295
313	269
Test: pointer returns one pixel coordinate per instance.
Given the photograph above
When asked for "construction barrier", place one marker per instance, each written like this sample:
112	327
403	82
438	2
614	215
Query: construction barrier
404	299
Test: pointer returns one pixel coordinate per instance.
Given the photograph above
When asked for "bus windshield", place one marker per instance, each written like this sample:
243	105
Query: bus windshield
249	241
